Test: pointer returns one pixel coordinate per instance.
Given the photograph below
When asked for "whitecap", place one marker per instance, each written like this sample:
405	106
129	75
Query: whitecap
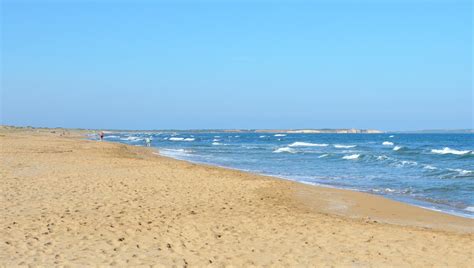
189	139
215	140
279	135
391	136
396	148
387	143
285	150
461	172
323	155
351	157
216	143
132	138
111	137
471	209
447	150
430	167
382	157
407	162
263	136
176	139
344	146
307	144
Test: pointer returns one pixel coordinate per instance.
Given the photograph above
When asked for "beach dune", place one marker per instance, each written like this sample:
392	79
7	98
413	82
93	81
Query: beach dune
70	201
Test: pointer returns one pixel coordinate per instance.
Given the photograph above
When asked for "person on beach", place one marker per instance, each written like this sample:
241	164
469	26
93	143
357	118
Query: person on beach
148	141
101	136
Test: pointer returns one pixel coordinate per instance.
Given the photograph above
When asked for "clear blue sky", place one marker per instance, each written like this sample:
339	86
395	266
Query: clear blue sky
396	65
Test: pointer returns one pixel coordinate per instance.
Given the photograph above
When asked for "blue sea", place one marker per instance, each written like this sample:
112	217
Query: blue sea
434	171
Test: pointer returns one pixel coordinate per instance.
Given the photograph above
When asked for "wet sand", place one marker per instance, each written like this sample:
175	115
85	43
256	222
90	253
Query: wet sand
69	201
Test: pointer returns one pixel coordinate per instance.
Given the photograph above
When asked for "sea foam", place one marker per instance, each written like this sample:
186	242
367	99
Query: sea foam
351	157
387	143
176	139
285	150
307	144
447	150
344	146
279	135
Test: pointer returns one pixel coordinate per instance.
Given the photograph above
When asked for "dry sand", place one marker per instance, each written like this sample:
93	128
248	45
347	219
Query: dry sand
69	201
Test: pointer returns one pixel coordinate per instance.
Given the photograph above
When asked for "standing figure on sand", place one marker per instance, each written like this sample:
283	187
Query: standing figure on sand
148	141
101	136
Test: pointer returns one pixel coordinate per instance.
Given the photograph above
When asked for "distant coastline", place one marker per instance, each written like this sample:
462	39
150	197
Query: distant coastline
286	131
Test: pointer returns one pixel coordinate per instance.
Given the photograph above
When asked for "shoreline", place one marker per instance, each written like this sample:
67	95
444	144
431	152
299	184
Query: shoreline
364	212
70	201
455	214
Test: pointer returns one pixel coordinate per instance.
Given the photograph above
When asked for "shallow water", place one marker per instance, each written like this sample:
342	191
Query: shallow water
435	171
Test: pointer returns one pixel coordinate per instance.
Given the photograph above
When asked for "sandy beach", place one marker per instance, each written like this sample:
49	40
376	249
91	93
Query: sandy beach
70	201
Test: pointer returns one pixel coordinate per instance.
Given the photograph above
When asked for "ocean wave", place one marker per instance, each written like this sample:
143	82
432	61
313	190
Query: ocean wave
263	136
447	150
279	135
430	167
382	157
387	143
175	152
461	172
408	162
323	155
344	146
397	148
132	138
216	143
391	136
215	140
285	150
351	157
111	137
189	139
471	209
176	139
307	144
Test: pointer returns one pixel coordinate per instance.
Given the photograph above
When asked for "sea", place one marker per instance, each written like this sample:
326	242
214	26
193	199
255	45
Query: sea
434	171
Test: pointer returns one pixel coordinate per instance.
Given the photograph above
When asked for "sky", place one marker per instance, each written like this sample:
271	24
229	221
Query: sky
389	65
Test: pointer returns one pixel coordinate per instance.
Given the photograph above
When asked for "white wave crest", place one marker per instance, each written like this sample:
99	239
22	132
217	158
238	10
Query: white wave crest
391	136
285	150
396	148
471	209
407	162
307	144
189	139
111	137
447	150
132	138
263	136
279	135
344	146
351	157
461	172
430	167
176	139
387	143
323	155
216	143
